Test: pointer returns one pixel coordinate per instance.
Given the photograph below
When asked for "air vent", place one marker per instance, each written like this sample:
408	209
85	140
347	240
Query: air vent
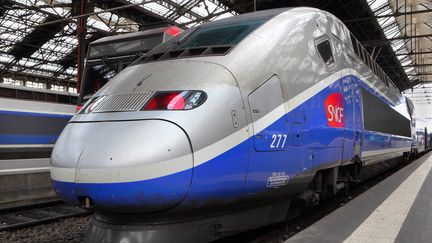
193	52
154	57
217	50
172	54
190	52
123	102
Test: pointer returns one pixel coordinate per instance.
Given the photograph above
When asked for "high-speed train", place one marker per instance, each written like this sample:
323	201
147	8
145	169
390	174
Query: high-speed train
31	120
420	138
221	128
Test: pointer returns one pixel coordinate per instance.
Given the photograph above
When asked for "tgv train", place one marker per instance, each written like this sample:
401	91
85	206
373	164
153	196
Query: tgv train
31	120
225	126
421	138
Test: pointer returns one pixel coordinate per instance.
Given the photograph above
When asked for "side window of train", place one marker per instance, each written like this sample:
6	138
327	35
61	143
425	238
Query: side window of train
323	47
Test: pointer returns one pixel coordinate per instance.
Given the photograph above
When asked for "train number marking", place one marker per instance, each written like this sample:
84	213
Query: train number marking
334	110
276	141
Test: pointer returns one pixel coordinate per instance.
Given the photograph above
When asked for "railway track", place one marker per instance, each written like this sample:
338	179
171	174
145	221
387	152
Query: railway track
36	214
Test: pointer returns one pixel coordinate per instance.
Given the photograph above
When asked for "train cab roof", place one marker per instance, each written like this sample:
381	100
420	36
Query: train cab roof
213	38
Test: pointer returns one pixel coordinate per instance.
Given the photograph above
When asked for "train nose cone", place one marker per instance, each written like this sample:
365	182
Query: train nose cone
123	165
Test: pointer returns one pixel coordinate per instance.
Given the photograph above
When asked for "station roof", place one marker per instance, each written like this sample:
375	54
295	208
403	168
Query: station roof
38	43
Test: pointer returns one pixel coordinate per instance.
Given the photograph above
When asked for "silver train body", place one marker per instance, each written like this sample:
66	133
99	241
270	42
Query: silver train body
268	115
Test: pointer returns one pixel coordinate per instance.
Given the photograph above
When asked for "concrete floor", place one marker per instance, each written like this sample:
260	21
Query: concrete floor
399	209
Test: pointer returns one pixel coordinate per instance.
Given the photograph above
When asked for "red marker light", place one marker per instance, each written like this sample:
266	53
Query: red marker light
166	101
173	31
176	100
78	108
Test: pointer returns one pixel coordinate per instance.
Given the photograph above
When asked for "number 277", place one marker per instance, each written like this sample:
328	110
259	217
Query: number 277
277	139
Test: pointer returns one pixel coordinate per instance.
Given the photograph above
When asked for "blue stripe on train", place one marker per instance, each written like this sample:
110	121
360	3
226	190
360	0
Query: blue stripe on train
10	138
239	171
27	139
35	114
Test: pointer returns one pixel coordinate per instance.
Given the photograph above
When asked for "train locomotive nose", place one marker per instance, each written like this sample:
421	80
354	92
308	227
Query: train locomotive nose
125	165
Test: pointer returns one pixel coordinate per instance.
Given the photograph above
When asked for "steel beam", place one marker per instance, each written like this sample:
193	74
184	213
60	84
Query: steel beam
418	74
397	14
418	65
414	53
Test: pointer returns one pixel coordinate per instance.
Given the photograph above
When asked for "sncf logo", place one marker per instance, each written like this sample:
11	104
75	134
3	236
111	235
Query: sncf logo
335	110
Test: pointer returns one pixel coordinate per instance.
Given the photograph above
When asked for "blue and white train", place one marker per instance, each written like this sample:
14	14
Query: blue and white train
221	128
31	120
420	136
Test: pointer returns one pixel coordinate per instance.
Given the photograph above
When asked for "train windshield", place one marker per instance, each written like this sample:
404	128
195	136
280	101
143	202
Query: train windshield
222	34
225	34
108	56
124	47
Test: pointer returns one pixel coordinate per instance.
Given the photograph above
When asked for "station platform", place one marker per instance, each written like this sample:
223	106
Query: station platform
398	209
24	181
21	166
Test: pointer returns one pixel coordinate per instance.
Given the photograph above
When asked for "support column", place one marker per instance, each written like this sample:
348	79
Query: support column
81	7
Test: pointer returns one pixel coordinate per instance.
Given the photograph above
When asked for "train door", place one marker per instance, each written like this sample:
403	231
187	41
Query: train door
268	160
352	113
267	104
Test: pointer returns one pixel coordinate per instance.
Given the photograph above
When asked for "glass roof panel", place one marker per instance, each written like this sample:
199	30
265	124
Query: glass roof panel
398	46
18	22
12	25
58	47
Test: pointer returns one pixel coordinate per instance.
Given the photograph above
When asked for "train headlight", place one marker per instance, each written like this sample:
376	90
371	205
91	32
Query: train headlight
176	100
92	104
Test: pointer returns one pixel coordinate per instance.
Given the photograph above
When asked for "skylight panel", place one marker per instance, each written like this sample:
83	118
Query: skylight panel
12	26
71	71
201	8
225	15
398	46
157	8
198	11
37	72
97	24
60	11
32	66
183	20
180	2
58	47
6	58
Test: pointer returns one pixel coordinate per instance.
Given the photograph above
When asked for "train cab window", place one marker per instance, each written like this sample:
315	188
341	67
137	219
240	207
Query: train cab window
325	52
222	34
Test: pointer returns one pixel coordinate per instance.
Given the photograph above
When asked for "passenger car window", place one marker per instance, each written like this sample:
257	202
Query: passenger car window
325	51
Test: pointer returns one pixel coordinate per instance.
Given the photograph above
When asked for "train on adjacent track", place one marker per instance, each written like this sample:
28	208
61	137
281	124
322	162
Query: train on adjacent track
225	126
31	120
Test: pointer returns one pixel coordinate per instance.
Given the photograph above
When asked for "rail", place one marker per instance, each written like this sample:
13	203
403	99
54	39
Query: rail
36	214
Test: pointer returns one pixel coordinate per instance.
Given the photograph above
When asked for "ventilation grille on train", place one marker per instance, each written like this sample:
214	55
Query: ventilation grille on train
123	102
190	52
